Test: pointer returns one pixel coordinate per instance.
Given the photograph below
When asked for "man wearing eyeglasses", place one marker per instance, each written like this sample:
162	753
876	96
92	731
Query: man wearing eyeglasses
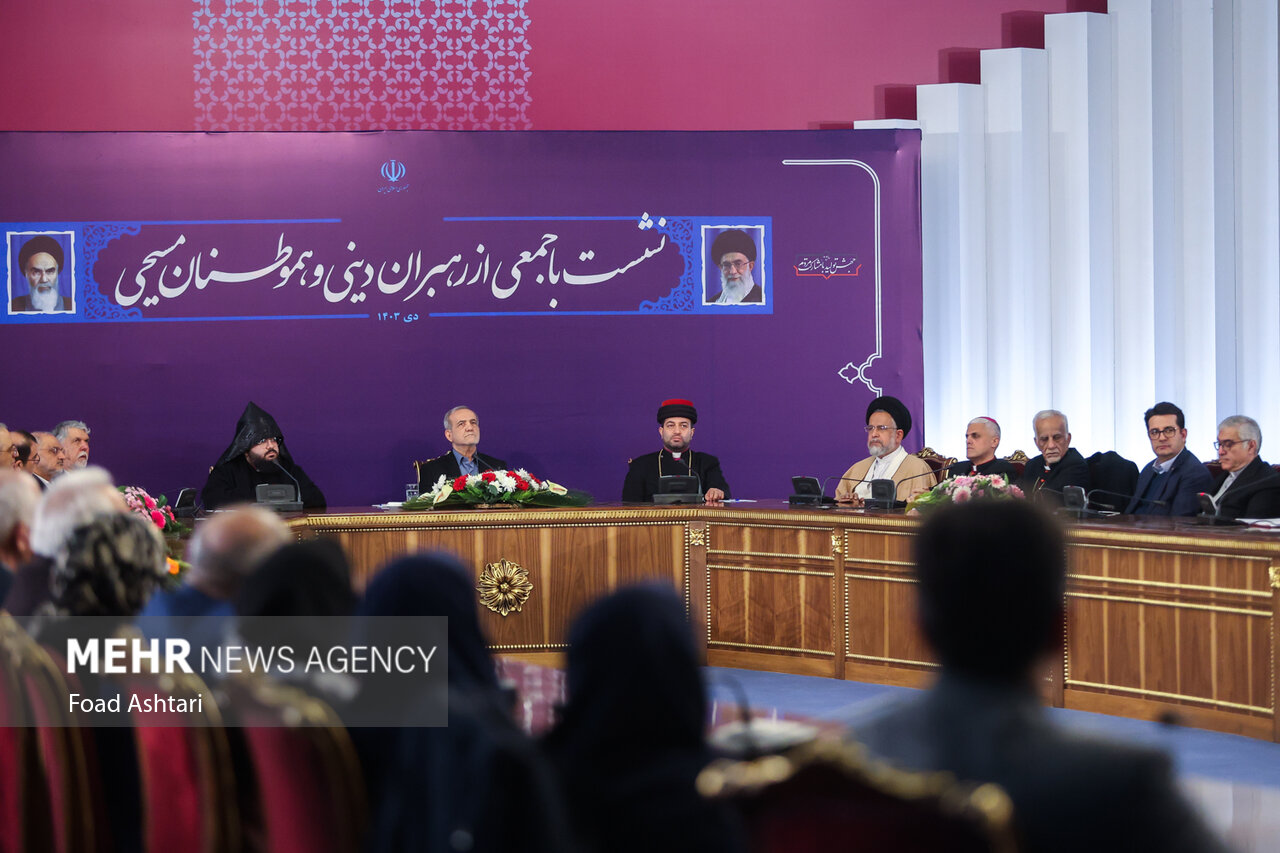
735	253
257	456
1170	483
888	422
1248	487
53	459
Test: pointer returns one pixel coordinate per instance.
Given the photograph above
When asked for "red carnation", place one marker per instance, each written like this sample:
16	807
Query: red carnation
488	476
460	483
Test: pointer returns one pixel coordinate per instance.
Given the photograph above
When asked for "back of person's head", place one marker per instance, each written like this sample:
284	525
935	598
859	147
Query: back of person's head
71	500
437	585
19	497
300	580
109	567
992	578
655	699
230	546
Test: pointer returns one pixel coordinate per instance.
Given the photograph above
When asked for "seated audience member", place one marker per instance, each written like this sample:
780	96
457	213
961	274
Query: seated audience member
74	436
108	567
981	438
676	420
888	423
462	431
631	740
223	552
18	499
1247	487
992	577
7	458
26	450
52	458
74	499
257	456
307	579
1059	464
478	784
1171	483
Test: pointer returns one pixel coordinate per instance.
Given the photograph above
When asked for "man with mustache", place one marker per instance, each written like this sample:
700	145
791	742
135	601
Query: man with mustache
40	261
257	456
1059	464
74	436
735	253
888	422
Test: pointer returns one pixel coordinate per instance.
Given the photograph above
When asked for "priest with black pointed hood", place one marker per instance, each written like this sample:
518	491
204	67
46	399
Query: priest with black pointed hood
256	456
675	427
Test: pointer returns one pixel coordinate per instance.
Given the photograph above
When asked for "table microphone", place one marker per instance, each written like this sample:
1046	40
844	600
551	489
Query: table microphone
296	485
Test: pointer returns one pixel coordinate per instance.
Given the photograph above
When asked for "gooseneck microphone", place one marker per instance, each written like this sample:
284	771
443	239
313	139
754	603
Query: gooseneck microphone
296	484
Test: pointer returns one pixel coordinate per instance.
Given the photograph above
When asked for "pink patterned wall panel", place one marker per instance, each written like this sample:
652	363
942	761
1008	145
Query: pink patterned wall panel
361	65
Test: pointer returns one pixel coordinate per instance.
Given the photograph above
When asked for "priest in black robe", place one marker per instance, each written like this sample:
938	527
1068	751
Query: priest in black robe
981	439
676	419
257	456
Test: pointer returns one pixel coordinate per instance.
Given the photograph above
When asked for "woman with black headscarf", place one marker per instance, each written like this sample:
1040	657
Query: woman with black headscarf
477	785
630	743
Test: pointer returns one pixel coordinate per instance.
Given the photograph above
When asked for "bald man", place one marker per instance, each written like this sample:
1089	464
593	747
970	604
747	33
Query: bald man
223	552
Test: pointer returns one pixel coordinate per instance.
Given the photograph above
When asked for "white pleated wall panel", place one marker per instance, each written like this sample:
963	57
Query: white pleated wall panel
953	208
1184	225
1134	212
1257	184
1081	231
1019	321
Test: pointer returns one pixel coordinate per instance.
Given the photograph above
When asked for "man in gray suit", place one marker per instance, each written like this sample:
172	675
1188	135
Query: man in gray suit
991	580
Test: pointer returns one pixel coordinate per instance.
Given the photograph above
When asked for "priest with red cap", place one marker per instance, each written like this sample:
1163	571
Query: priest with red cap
676	419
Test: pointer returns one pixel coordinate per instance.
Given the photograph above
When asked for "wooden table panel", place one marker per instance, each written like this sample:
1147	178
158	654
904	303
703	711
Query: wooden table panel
1162	616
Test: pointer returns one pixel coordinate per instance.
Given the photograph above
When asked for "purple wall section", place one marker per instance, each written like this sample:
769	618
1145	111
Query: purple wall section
568	391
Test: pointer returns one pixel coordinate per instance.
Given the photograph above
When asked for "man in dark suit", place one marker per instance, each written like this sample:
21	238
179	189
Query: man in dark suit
981	438
1172	482
1059	464
462	430
40	261
992	577
1248	487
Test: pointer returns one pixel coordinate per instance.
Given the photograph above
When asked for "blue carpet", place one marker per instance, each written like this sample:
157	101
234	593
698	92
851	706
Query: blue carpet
1197	753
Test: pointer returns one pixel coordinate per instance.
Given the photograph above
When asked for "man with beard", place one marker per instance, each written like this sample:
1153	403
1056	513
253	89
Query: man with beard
26	453
74	436
735	253
675	426
40	261
257	456
52	459
888	422
1059	464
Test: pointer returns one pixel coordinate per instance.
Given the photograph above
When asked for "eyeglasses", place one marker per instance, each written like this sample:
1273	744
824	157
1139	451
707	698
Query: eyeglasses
1167	432
879	428
1228	444
734	265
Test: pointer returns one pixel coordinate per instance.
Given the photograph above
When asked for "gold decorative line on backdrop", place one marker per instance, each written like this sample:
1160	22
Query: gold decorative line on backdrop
771	648
769	570
849	575
1147	602
771	554
879	659
1254	593
1161	695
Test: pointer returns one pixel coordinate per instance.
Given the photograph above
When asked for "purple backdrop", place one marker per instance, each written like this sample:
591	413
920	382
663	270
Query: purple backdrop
358	285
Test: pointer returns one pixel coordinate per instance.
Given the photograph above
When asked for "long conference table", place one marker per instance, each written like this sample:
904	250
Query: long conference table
1165	618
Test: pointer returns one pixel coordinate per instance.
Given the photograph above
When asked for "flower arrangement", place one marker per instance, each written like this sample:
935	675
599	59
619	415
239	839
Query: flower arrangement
966	488
517	487
157	511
